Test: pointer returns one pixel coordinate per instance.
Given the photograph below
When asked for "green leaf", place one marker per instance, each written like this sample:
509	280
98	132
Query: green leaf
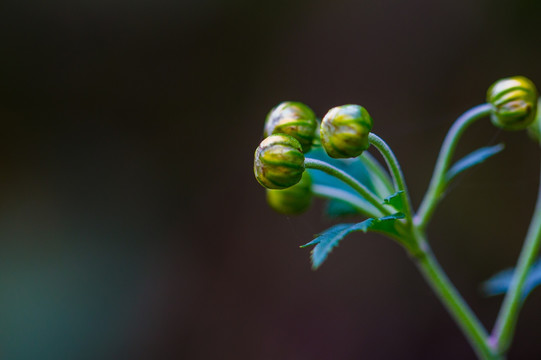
387	224
396	200
472	159
330	238
361	205
337	208
326	241
500	283
329	233
352	166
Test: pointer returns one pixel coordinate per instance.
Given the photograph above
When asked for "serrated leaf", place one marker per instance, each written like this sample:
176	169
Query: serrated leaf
330	238
326	241
387	224
475	158
337	208
500	283
395	200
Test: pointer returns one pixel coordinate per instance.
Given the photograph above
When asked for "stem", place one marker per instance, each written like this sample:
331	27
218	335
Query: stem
357	202
348	179
507	318
379	174
438	183
455	304
396	171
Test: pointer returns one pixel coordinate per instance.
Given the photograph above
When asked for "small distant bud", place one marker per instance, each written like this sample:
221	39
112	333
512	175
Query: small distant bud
279	162
293	200
294	119
344	131
514	103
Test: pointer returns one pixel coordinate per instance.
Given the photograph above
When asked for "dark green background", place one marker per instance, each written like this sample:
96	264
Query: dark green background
131	225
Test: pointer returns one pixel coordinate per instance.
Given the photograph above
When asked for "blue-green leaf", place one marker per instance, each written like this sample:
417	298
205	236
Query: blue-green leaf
330	186
395	200
474	158
352	166
361	205
337	208
329	239
387	224
500	283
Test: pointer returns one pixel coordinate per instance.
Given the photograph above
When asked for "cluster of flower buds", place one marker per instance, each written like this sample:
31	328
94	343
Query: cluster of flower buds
514	103
291	130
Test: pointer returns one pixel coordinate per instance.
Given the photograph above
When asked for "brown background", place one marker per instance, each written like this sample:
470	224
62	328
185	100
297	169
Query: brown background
130	222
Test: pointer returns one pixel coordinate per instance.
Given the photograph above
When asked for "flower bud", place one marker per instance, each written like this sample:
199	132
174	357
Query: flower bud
514	103
293	200
295	119
279	162
344	131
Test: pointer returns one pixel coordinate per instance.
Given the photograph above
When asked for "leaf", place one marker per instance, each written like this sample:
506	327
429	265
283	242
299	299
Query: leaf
353	167
360	204
329	239
500	283
337	208
328	186
474	158
395	200
387	224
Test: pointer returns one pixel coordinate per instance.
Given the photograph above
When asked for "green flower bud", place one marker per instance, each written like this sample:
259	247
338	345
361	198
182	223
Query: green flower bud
293	200
344	131
279	162
295	119
514	103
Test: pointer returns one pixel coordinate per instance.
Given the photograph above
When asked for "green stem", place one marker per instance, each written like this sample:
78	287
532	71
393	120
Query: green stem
378	174
507	318
396	171
348	179
438	183
357	202
455	304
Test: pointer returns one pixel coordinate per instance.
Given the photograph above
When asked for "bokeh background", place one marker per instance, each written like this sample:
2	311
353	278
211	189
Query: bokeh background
131	226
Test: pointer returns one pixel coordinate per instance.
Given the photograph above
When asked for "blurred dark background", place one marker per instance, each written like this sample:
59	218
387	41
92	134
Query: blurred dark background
131	225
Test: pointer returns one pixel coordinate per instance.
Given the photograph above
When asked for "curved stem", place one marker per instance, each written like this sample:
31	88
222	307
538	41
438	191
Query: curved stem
438	183
505	324
455	304
348	179
379	175
357	202
396	171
